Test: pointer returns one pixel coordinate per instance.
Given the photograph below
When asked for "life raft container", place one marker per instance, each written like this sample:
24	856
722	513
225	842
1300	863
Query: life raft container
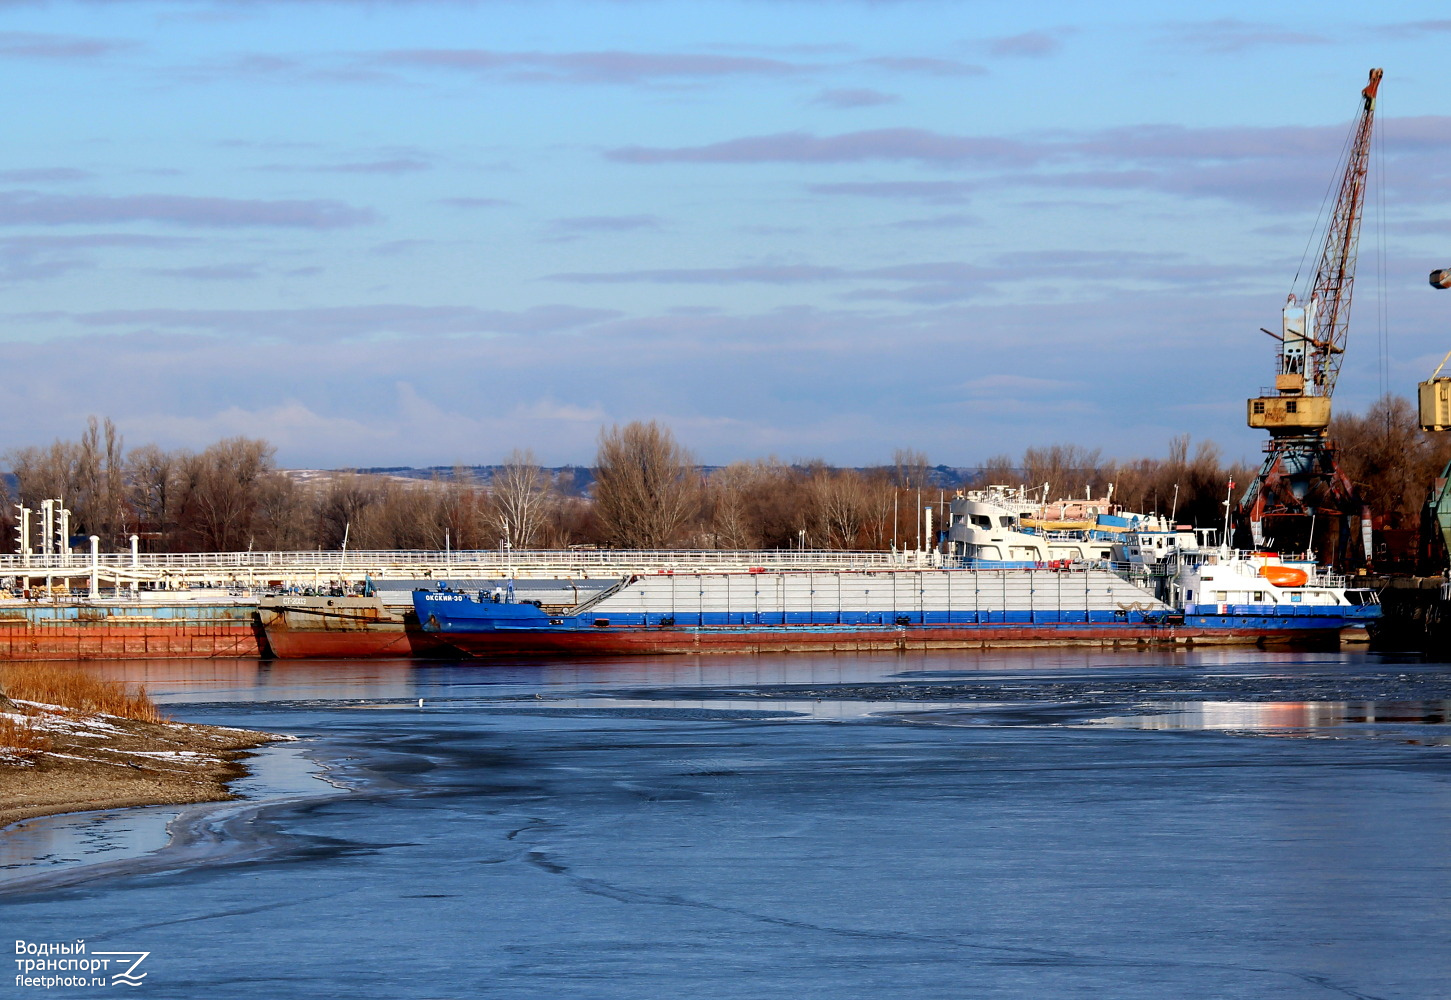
1284	576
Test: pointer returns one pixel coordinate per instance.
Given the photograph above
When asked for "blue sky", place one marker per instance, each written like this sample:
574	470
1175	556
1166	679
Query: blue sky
423	233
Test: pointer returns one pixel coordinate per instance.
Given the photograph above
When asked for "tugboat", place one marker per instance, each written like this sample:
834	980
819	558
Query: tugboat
1218	588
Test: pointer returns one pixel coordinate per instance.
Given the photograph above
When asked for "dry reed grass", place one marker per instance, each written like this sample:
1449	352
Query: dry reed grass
22	738
77	689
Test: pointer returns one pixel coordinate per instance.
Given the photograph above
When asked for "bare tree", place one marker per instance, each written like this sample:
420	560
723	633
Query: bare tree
646	486
44	473
519	500
285	516
88	476
728	502
572	520
222	492
764	504
841	503
463	512
153	482
1066	468
909	468
1000	470
114	500
1389	458
399	517
880	504
343	500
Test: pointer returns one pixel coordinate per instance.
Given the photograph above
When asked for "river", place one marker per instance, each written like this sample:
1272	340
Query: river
1017	824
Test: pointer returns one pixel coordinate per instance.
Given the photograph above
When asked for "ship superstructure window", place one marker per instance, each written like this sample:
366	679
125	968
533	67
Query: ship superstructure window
1259	406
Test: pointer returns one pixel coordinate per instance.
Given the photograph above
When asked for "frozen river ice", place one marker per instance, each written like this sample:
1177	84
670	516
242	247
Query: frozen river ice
1034	824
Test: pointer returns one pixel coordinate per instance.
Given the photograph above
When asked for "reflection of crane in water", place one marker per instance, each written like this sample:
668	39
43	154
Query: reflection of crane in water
1300	495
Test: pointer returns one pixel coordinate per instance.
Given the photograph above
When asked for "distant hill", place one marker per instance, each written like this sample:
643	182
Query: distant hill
947	477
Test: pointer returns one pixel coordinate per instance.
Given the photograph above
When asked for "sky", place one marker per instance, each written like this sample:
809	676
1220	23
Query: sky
428	232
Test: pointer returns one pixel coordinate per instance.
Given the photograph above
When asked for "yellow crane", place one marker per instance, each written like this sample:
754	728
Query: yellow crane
1435	406
1300	483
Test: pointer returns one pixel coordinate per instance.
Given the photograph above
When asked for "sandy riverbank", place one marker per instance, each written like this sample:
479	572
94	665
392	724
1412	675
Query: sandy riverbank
106	762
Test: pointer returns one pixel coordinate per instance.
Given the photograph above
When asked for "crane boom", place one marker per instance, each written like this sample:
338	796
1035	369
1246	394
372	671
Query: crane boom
1335	277
1312	343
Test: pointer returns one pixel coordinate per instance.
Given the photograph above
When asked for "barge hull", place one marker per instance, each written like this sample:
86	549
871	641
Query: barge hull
117	641
648	642
377	642
299	628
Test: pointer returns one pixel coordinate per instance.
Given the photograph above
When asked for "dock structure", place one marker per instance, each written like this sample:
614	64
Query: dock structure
93	571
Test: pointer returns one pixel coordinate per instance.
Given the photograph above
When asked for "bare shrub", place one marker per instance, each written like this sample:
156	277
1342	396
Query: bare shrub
23	738
77	689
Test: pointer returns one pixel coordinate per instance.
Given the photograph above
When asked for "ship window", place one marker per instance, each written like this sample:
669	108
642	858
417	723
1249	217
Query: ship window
1291	406
1005	521
1259	595
1294	597
1221	596
1259	406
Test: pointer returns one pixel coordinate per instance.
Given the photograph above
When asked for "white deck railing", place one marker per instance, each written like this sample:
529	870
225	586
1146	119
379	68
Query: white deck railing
483	563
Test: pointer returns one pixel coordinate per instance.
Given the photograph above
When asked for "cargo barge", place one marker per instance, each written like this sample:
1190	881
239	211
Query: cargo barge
867	610
124	630
308	627
382	623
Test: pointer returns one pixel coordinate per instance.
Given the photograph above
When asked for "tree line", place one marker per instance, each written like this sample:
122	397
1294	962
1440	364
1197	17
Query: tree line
648	491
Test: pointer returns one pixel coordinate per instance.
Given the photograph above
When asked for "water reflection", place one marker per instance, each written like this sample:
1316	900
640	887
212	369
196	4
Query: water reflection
1275	716
178	681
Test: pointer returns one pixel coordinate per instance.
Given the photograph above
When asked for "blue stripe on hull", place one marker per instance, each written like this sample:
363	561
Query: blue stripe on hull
1281	617
458	613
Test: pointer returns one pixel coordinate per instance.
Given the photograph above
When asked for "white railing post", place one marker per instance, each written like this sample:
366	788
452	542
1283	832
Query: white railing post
95	567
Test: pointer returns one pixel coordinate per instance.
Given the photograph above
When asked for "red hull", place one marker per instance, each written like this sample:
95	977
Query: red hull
647	642
116	641
290	644
342	627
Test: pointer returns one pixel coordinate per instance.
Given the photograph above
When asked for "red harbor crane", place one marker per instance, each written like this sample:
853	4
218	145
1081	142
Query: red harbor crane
1300	501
